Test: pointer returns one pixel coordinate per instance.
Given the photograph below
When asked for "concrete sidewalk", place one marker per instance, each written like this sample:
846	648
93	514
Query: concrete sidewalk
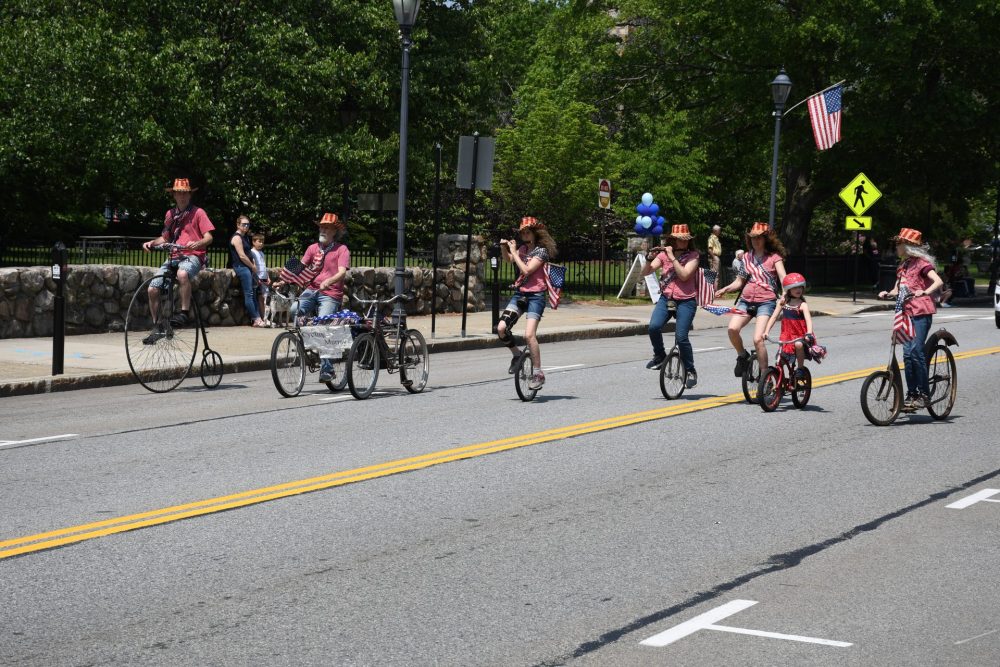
98	360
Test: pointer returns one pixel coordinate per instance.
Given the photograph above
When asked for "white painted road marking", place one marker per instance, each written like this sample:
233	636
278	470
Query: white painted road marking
962	641
707	621
881	312
11	443
561	368
344	397
978	497
708	349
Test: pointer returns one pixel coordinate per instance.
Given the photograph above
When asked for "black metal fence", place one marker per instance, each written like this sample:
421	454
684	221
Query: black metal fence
583	274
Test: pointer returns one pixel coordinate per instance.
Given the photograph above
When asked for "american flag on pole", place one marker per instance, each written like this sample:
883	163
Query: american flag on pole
902	324
824	112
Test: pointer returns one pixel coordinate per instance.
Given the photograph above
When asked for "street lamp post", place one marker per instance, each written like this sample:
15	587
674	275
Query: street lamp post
406	16
780	88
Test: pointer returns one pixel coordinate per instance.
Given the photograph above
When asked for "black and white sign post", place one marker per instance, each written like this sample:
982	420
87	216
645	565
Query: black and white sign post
475	171
60	257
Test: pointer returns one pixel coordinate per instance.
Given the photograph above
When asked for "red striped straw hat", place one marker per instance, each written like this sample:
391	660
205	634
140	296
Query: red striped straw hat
911	236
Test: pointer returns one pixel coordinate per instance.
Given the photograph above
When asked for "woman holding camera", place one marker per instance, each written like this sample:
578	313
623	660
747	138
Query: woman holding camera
678	285
536	249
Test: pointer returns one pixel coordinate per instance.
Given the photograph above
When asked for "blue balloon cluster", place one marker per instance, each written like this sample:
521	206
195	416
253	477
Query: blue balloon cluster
649	222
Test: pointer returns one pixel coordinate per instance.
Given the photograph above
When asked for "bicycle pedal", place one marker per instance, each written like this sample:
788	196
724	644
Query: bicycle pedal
408	383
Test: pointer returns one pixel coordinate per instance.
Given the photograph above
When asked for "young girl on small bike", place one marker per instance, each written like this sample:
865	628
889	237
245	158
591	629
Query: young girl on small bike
796	320
536	249
917	275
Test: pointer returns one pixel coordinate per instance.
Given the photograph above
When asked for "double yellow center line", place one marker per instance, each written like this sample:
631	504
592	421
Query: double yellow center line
89	531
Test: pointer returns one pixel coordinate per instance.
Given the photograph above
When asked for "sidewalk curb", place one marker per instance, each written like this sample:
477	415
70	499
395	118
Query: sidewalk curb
50	384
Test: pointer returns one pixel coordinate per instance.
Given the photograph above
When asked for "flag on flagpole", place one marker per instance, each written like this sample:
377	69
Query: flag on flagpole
824	112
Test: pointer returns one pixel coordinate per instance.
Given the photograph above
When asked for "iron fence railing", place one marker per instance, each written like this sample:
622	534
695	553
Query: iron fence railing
583	274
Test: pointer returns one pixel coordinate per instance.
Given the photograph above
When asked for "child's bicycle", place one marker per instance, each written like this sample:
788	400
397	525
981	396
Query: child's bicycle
781	377
882	391
297	351
160	349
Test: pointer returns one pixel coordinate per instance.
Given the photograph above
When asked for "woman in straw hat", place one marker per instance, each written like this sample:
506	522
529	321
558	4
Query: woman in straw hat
678	285
763	269
917	277
537	247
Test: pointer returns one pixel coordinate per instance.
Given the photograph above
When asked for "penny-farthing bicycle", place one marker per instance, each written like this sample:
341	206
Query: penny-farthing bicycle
160	353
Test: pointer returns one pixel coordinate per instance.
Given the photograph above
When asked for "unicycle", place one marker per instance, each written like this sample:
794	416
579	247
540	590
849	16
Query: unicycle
673	375
524	370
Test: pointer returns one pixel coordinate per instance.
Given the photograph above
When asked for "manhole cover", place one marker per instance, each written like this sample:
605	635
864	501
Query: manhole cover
611	319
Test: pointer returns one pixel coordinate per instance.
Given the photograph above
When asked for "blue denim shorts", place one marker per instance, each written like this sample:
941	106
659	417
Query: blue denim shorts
757	309
191	264
535	304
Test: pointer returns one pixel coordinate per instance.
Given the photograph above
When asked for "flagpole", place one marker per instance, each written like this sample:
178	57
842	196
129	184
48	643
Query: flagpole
814	95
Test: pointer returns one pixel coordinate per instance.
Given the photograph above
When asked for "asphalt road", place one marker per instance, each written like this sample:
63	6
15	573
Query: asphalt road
463	527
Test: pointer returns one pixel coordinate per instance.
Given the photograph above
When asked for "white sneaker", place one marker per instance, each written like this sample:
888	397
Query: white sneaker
537	380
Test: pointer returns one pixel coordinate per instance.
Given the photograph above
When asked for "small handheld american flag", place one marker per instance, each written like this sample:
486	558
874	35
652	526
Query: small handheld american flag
902	324
723	310
555	276
296	273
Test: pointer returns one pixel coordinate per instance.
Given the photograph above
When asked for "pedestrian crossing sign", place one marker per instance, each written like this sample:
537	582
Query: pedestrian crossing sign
858	224
860	194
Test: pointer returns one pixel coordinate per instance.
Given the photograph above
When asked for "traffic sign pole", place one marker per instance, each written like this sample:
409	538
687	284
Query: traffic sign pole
857	246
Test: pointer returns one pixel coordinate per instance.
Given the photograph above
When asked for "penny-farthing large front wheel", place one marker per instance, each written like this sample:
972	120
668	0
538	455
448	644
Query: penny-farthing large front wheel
159	355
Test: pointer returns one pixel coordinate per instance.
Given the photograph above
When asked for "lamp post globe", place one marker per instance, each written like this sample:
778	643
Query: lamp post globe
406	16
406	12
780	88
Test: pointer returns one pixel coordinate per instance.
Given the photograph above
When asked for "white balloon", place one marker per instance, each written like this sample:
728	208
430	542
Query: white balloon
646	221
647	199
638	219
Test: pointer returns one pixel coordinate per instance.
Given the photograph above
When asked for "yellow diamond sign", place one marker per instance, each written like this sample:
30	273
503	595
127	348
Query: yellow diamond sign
860	194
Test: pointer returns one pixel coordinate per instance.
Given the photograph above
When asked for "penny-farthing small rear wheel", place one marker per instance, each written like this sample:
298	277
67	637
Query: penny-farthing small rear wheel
211	368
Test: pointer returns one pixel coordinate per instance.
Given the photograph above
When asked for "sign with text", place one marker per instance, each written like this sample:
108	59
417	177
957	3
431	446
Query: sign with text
604	193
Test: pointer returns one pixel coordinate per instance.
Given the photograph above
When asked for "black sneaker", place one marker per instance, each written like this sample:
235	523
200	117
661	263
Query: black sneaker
656	362
741	363
181	319
513	365
692	379
156	334
800	377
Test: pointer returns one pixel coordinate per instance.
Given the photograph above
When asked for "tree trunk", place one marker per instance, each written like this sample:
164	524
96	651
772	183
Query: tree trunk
801	199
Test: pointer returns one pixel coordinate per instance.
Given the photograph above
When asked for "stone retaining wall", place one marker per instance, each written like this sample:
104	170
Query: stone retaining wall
98	296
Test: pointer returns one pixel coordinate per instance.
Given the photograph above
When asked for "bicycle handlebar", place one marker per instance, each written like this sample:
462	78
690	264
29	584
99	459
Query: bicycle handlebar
399	297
